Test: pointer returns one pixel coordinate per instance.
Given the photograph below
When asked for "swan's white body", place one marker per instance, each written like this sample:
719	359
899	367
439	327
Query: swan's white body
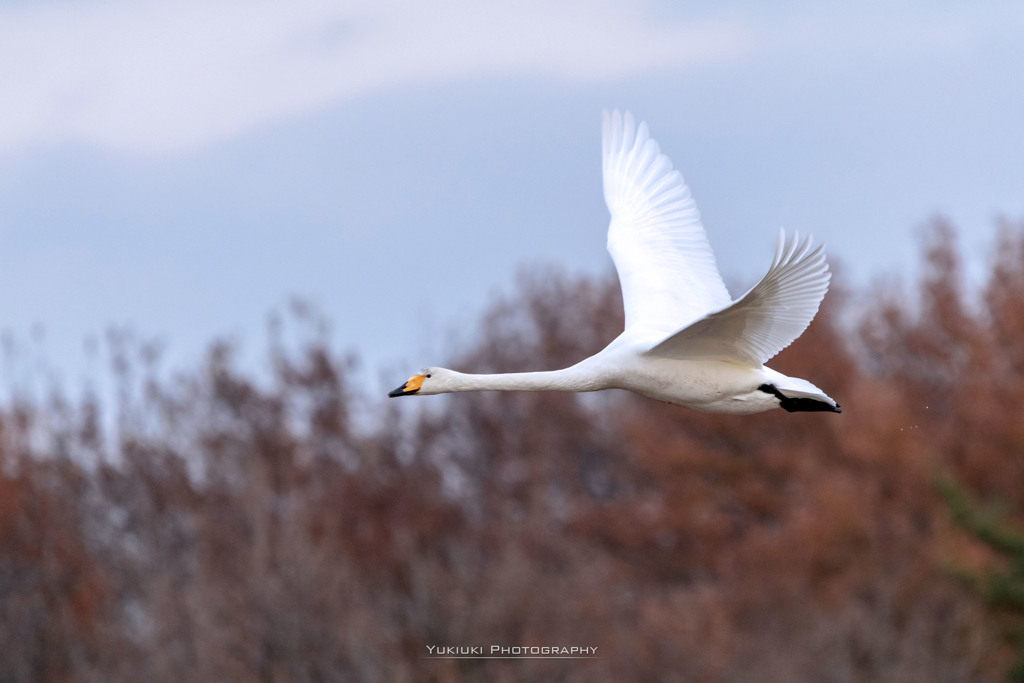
685	340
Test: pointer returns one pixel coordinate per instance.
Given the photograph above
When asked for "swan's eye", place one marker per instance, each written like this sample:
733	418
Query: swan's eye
428	376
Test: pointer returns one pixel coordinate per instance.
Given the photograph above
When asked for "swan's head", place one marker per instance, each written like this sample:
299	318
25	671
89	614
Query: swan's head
425	382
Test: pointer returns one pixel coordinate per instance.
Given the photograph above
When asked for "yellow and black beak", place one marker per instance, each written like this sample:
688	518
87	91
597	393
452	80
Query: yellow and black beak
409	388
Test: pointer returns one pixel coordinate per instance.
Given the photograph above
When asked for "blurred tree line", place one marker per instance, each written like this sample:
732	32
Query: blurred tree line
236	529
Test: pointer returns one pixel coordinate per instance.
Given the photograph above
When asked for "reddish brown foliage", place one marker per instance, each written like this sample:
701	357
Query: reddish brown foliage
247	530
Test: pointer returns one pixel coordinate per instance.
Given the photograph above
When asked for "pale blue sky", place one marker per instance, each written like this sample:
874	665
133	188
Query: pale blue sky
185	167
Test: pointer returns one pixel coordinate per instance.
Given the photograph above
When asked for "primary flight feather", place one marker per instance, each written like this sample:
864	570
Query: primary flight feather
685	340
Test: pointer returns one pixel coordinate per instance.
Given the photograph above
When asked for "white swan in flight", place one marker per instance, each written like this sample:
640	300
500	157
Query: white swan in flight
685	340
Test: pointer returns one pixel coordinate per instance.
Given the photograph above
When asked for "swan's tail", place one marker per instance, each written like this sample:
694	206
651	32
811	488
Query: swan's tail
798	395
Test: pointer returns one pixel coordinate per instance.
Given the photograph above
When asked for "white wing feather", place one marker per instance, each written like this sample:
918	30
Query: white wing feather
766	319
666	267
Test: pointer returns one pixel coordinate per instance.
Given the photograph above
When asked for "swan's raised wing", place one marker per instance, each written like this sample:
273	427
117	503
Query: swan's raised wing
766	319
661	252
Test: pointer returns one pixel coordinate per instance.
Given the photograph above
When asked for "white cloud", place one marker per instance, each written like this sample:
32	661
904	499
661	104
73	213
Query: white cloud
162	77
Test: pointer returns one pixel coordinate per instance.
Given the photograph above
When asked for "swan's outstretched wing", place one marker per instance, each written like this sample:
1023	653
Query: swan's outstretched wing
766	319
661	252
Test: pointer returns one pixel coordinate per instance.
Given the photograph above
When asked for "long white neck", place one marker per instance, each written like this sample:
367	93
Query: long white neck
568	379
